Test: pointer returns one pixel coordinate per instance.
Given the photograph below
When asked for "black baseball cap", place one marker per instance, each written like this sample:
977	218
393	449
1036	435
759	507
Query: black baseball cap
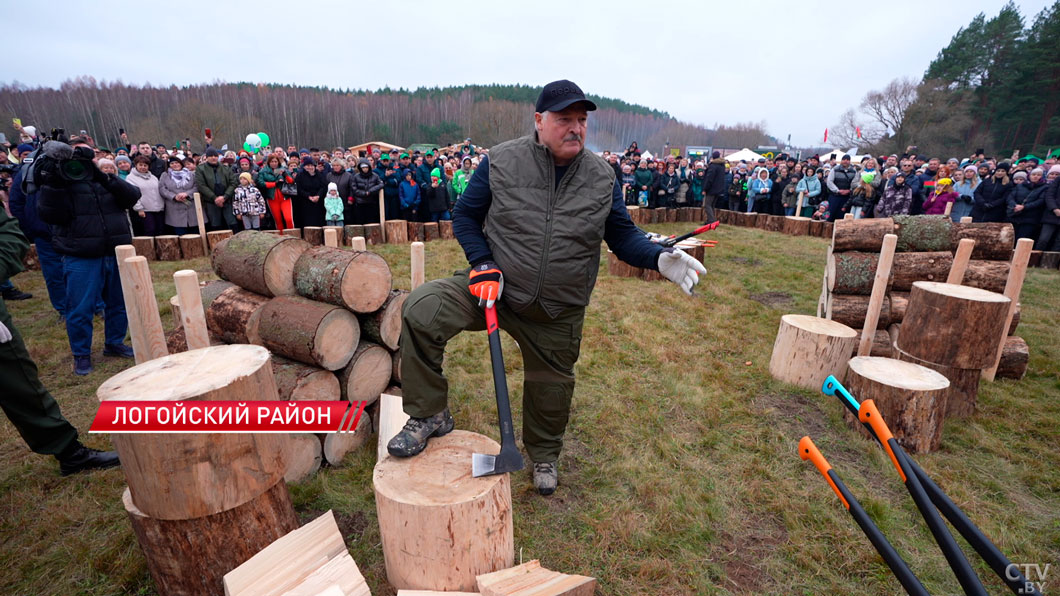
559	95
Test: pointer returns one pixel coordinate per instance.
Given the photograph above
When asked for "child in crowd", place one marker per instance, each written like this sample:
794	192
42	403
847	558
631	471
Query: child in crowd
863	198
822	211
936	202
248	204
333	205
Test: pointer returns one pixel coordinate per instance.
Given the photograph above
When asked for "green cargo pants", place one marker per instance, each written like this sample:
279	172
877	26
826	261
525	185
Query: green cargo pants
24	399
436	311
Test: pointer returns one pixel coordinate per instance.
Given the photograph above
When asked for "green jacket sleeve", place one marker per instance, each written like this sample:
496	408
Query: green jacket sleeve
230	185
13	246
205	189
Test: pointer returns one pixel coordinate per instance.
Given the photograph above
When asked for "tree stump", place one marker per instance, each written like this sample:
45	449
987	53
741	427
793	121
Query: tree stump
367	374
1050	260
384	325
214	238
993	241
430	231
189	475
296	381
919	266
145	247
261	263
397	231
816	228
860	234
671	215
357	280
953	325
191	246
234	316
1015	355
962	397
762	221
445	229
336	446
311	332
775	223
850	310
304	456
797	226
1036	258
373	234
415	231
313	235
189	557
986	275
911	399
293	233
440	527
808	349
167	248
923	233
352	231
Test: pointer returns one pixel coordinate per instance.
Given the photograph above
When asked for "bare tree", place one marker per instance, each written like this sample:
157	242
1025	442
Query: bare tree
888	106
854	131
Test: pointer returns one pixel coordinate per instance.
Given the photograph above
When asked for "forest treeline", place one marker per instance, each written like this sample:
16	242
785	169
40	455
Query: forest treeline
314	116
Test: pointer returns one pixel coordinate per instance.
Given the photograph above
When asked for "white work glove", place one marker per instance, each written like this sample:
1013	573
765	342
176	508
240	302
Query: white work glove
680	268
5	334
656	238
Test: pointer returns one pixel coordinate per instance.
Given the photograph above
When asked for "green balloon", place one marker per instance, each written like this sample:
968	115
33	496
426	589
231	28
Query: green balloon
249	149
264	139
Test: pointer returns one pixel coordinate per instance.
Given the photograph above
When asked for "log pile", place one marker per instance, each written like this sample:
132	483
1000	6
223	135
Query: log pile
642	216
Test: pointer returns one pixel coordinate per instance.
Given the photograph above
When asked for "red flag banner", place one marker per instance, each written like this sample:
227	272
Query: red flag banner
227	417
826	135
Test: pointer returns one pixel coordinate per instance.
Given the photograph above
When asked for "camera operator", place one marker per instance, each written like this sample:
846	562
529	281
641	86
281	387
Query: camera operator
86	209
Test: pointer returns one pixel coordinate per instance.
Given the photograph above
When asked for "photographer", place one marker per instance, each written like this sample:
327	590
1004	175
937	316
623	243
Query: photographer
86	209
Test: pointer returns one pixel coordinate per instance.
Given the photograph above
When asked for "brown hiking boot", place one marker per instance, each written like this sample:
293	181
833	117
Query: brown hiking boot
413	437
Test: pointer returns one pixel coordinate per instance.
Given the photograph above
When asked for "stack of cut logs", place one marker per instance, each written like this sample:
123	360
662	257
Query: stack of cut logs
787	224
176	248
618	268
329	317
646	216
392	231
925	249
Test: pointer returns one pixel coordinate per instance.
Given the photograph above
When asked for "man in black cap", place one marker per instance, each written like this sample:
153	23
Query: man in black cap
530	222
216	184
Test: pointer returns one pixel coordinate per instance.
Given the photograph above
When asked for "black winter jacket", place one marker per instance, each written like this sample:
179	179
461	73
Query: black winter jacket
437	198
1032	199
1051	195
714	180
366	187
88	219
991	198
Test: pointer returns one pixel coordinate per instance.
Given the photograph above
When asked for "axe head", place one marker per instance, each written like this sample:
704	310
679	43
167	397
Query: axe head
508	460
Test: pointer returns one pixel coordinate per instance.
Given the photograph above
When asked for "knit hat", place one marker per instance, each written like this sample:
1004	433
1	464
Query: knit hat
1055	168
309	161
211	152
973	169
121	158
1019	175
944	182
1004	166
333	187
22	148
868	177
625	169
436	173
246	176
1038	171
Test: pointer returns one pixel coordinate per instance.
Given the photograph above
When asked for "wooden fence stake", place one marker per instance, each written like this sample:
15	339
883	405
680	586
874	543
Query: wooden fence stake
202	225
960	260
192	315
879	290
358	243
1017	271
417	265
145	324
382	216
331	236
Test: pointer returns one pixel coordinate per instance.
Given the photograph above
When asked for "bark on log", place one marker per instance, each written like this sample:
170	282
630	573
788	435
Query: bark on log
397	231
987	275
828	230
762	221
808	349
899	304
313	235
189	475
923	233
861	234
296	381
384	325
430	231
308	331
191	246
953	325
816	228
962	397
167	248
911	399
993	241
395	371
215	237
797	226
850	310
367	374
851	272
261	263
1036	258
145	247
190	557
919	266
775	223
463	525
357	280
234	316
671	216
1015	356
445	229
177	341
212	289
293	233
373	234
350	232
304	455
336	446
415	231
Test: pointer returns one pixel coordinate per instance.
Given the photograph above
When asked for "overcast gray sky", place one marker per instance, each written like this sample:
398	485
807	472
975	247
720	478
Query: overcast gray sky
795	65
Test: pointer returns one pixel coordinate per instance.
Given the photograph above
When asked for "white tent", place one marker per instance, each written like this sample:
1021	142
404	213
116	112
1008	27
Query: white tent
839	153
647	155
744	154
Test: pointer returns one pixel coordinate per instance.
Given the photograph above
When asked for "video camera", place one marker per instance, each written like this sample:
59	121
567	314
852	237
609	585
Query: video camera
57	163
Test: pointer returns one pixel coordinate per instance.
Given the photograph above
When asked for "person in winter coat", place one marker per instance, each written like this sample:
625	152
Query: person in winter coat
271	179
462	177
336	173
738	192
366	187
308	204
216	185
939	197
669	184
643	180
789	196
991	197
409	195
897	198
776	193
88	220
713	189
842	180
248	205
759	191
150	208
1049	237
964	184
334	205
391	178
177	187
124	165
24	207
1026	203
437	197
810	187
695	189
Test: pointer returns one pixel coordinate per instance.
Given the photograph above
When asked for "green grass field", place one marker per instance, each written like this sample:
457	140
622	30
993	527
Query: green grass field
680	473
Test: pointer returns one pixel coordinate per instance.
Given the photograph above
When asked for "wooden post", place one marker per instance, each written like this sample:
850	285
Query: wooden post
949	209
798	205
331	236
358	243
382	216
145	324
202	224
960	260
174	308
1017	271
848	216
193	318
391	418
879	290
417	265
122	252
966	219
